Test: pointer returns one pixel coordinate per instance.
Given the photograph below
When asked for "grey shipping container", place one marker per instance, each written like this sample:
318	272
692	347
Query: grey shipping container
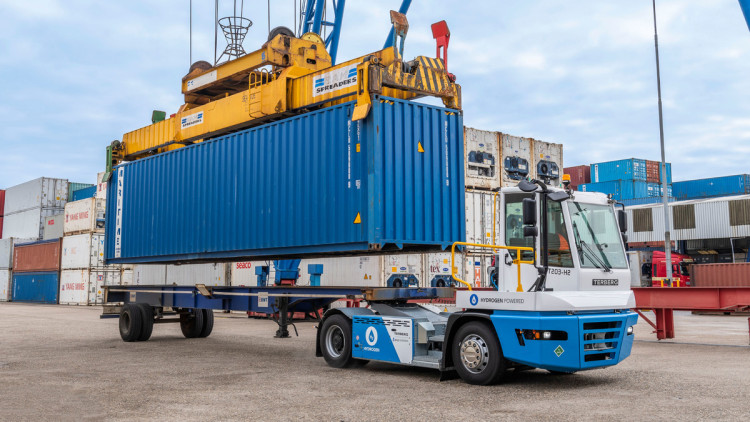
28	224
53	227
43	192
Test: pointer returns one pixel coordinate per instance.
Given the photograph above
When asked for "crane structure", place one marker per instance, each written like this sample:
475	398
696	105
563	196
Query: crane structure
285	77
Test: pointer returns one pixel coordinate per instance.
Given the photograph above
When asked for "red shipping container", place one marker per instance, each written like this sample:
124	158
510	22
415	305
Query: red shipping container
721	275
652	171
37	256
2	205
1	227
578	175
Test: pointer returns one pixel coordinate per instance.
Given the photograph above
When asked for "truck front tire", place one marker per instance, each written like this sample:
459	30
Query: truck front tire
335	339
477	355
131	322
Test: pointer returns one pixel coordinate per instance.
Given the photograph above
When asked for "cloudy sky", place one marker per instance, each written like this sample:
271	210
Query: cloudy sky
78	74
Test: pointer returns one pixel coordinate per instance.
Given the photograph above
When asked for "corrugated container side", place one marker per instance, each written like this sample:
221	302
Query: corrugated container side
53	227
517	153
149	274
548	162
628	169
297	187
43	192
83	251
6	250
624	189
84	216
75	186
38	287
721	275
712	187
84	193
578	174
28	224
643	201
86	286
6	285
482	159
37	257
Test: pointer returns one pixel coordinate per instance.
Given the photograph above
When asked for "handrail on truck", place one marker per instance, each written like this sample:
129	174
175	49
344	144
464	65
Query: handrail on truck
518	260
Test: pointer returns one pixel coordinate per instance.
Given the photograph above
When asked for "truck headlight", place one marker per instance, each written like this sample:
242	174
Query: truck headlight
630	330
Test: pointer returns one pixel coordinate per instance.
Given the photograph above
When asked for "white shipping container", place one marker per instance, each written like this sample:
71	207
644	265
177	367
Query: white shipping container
479	213
6	251
191	274
101	186
438	269
86	286
28	224
357	271
84	251
5	285
243	273
53	227
548	158
481	159
396	267
126	277
518	159
86	215
43	192
149	274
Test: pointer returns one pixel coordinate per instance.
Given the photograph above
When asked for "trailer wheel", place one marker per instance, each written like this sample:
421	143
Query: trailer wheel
336	342
477	354
208	323
131	322
192	324
147	327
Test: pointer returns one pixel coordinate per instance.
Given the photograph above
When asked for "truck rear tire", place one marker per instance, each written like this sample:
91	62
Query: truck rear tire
192	324
208	323
147	326
131	322
477	355
336	341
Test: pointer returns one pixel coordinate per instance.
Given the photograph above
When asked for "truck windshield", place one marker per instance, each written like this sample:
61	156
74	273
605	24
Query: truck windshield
597	236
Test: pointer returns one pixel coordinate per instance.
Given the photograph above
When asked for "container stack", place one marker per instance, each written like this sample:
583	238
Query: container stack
28	205
579	175
83	273
712	187
6	267
36	271
78	191
631	181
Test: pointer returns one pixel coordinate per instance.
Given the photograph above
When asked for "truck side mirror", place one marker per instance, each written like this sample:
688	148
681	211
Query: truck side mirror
530	231
529	212
622	220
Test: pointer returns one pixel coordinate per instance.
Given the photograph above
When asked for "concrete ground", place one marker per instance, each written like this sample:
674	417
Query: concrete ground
64	363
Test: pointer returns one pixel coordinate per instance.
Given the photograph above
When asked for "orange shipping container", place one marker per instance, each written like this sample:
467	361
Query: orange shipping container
37	256
721	275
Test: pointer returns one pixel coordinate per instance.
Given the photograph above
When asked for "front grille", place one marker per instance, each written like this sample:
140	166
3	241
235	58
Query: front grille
601	341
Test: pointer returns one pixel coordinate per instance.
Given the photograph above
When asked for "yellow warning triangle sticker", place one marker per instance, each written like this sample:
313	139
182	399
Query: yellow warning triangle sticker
419	147
358	219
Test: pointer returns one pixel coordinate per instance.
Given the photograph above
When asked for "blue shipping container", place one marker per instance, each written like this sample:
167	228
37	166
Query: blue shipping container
311	184
629	169
36	287
643	201
712	187
624	189
84	193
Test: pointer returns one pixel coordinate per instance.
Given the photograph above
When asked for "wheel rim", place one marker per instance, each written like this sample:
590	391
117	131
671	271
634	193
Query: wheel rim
335	341
474	353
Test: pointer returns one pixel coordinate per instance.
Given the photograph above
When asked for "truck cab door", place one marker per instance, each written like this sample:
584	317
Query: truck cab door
511	234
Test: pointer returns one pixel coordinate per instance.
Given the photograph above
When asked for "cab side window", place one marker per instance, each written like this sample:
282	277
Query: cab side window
557	237
514	226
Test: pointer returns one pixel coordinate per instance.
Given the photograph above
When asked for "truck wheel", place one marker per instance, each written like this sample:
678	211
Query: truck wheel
336	341
477	355
208	323
192	324
147	327
131	322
